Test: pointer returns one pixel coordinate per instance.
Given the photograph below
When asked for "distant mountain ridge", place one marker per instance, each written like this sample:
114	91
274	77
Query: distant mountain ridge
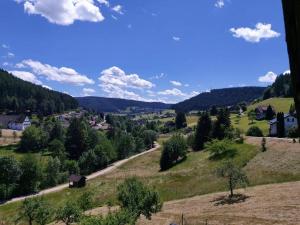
220	98
103	104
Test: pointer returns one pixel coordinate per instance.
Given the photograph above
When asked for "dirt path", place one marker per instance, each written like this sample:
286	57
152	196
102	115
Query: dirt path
267	205
89	177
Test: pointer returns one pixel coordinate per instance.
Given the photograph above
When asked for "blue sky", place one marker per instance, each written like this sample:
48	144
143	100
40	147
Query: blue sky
155	50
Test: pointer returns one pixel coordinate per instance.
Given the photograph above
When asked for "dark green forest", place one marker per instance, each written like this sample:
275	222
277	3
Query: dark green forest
102	104
220	98
282	87
19	96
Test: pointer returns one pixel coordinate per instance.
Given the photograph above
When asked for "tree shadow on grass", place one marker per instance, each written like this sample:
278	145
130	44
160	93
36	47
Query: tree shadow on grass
230	200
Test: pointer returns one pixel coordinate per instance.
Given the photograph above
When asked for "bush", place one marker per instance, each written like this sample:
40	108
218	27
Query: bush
293	133
254	132
221	149
138	199
33	139
174	150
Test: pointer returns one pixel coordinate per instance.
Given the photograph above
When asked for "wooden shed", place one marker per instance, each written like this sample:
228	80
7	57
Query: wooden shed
77	181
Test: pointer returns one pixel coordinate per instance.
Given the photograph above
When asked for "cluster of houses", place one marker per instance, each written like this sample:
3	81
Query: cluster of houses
290	120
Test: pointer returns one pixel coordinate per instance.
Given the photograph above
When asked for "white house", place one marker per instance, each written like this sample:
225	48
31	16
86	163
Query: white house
14	122
290	122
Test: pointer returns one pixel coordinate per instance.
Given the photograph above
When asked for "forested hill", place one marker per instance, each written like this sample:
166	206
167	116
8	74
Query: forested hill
19	96
282	87
220	98
102	104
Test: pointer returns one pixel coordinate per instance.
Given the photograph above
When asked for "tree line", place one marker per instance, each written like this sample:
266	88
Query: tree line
78	149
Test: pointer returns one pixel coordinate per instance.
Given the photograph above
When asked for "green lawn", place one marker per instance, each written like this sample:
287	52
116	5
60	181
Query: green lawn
280	104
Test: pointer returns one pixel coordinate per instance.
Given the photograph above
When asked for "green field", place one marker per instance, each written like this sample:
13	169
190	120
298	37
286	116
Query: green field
243	123
195	176
280	104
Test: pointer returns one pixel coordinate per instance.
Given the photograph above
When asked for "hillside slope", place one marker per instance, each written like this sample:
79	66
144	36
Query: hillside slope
18	95
102	104
266	205
221	98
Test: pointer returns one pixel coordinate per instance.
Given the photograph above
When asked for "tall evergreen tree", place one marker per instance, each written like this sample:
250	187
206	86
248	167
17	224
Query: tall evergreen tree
280	125
270	113
203	132
180	120
76	138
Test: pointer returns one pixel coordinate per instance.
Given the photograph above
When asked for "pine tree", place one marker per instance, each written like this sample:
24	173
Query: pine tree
180	120
270	113
280	125
203	132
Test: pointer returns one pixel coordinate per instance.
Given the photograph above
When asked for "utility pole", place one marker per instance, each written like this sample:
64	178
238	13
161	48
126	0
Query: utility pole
291	11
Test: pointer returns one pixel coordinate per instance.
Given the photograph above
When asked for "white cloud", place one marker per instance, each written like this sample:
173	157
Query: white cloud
186	85
178	93
46	86
118	9
5	46
270	77
114	17
176	83
117	77
176	38
10	55
261	31
6	64
116	83
220	4
104	2
27	76
64	12
62	75
172	92
88	91
157	77
287	72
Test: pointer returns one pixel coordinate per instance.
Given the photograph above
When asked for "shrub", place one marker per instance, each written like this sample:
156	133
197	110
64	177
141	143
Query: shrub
263	145
221	149
174	149
255	132
138	199
293	133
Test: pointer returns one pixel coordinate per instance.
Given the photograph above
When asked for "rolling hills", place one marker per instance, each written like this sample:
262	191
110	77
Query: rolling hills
102	104
220	98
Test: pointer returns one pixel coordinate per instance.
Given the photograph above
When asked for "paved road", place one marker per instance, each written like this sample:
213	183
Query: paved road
89	177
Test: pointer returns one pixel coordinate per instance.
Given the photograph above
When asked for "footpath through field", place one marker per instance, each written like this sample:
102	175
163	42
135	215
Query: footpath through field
89	177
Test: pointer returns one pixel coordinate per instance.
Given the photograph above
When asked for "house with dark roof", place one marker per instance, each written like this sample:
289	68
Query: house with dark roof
261	112
290	122
14	122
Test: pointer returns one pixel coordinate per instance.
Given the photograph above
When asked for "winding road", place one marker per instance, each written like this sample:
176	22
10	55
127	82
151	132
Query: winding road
89	177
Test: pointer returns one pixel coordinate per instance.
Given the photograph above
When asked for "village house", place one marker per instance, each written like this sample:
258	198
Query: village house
261	112
15	122
290	122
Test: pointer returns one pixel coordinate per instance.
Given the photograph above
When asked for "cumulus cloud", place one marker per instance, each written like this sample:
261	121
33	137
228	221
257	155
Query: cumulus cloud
176	83
64	12
176	38
117	77
261	31
88	91
157	77
118	9
220	4
270	77
62	74
27	76
287	72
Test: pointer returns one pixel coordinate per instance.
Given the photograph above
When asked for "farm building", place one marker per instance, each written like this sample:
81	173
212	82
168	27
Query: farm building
77	181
